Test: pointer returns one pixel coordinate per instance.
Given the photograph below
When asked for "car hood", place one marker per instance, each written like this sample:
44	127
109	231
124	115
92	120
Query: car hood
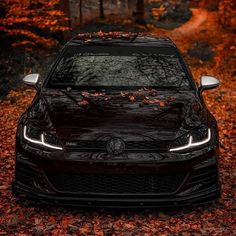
132	115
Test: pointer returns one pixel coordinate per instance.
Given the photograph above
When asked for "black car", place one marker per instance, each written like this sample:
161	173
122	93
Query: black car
118	122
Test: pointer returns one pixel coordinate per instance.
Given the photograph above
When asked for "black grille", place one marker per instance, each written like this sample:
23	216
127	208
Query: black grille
31	176
146	145
116	184
25	171
129	145
27	174
205	176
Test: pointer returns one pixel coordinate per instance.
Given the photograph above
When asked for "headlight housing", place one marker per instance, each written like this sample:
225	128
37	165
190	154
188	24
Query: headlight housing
41	138
192	142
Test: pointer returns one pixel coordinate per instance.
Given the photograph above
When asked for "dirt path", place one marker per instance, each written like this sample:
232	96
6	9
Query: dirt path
198	21
199	17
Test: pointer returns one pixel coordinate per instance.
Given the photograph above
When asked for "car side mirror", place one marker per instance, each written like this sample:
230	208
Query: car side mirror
208	82
31	80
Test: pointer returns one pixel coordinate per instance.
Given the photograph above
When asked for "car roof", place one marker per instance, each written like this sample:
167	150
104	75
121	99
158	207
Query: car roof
120	38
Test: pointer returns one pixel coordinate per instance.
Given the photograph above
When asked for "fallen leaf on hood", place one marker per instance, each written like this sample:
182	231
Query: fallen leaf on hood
154	101
83	102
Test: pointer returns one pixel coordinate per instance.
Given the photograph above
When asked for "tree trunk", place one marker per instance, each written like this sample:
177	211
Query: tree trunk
139	14
64	5
129	3
80	12
101	9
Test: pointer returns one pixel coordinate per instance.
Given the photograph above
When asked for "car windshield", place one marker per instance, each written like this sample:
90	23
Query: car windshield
119	67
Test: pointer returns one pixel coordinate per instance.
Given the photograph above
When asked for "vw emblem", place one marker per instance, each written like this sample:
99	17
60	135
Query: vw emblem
115	146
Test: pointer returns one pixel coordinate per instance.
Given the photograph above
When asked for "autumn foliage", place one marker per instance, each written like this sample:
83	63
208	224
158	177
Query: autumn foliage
227	12
30	23
206	30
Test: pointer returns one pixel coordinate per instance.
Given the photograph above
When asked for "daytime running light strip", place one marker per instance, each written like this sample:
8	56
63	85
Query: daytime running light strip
42	142
191	144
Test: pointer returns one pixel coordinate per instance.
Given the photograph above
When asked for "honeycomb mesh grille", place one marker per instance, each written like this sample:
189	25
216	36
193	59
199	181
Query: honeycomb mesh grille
129	145
116	184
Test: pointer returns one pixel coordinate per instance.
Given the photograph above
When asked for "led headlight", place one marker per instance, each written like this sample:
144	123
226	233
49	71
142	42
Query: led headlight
191	143
40	138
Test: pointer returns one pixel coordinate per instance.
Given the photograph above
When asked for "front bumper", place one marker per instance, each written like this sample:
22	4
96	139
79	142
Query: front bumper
107	202
198	182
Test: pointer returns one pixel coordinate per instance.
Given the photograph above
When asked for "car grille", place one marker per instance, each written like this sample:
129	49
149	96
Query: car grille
92	145
116	184
26	173
31	176
207	176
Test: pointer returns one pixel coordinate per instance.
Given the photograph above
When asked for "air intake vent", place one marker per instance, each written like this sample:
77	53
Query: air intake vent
116	184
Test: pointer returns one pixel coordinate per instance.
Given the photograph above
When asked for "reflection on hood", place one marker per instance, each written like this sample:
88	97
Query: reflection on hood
147	114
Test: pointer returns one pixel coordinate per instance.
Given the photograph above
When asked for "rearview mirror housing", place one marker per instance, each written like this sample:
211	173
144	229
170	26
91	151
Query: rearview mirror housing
208	82
31	80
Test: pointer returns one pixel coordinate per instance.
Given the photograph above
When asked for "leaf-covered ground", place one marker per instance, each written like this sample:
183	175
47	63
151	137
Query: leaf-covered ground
218	218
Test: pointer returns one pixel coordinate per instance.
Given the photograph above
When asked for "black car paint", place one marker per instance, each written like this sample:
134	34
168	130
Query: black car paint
98	116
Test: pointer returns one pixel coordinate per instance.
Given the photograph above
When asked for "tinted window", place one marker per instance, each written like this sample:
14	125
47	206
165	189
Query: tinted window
117	67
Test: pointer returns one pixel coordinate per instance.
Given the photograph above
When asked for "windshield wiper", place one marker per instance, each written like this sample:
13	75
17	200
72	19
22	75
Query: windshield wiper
67	93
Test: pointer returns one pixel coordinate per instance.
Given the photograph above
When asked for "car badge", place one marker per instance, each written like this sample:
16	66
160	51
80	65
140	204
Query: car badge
115	146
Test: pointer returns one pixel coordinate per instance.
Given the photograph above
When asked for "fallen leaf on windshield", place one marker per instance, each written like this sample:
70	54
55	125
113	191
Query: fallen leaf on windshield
85	94
83	102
